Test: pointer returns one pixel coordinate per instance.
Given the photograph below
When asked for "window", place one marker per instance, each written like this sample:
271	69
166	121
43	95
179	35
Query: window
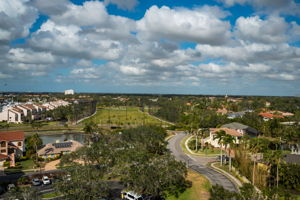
19	144
3	150
3	144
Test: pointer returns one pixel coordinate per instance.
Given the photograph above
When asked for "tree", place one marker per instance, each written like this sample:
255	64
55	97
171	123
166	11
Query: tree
273	157
23	193
229	141
33	143
83	182
138	157
220	136
217	192
257	145
163	173
90	128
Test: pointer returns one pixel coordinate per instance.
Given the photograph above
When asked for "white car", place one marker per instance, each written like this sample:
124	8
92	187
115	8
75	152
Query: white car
46	180
130	195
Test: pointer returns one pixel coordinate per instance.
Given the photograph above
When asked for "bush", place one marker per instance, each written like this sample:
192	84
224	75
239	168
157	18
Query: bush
22	158
6	164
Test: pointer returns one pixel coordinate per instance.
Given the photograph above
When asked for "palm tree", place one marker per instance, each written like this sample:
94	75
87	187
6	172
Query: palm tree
90	129
257	145
219	136
229	141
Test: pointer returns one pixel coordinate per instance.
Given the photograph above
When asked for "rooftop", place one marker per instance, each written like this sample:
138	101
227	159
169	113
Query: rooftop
12	136
228	131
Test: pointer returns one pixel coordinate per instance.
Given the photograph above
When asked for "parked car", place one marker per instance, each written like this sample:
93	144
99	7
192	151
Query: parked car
36	182
46	180
130	195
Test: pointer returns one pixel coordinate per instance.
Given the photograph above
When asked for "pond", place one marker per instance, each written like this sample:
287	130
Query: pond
52	138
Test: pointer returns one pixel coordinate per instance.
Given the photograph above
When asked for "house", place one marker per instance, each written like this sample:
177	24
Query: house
292	158
214	142
241	128
53	150
25	110
11	114
222	111
268	116
235	115
285	114
11	146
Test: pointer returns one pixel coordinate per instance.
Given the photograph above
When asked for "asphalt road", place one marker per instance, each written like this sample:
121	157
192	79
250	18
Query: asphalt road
198	164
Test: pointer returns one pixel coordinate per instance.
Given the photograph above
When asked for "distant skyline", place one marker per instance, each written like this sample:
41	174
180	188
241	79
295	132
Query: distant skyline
234	47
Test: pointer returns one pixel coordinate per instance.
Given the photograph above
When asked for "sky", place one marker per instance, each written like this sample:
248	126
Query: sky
234	47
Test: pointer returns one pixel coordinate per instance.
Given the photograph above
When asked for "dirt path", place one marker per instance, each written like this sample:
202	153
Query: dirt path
52	165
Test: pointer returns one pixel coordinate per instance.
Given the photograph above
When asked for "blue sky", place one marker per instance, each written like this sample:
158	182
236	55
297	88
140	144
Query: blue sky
241	47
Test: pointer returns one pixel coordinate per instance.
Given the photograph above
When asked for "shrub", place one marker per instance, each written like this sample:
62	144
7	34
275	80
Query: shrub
6	164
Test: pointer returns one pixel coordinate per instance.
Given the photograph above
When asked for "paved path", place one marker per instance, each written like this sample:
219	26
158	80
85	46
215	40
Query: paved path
198	163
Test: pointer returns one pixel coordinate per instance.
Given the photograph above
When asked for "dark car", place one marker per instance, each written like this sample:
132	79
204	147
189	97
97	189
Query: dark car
225	158
36	182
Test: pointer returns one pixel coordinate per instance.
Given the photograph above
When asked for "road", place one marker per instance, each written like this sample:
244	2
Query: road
198	164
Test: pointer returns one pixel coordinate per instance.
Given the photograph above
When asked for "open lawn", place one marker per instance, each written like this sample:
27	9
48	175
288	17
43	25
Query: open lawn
27	164
198	191
51	195
122	116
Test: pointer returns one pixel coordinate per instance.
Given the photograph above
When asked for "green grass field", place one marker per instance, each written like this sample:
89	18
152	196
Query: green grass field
122	116
198	191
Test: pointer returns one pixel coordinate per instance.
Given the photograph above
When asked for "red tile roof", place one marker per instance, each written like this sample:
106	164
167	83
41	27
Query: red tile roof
228	131
12	136
2	156
269	115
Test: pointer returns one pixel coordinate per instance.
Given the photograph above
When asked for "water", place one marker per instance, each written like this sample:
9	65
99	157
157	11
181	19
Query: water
79	137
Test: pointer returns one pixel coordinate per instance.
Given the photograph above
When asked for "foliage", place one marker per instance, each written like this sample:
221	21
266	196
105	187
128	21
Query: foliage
32	144
84	182
247	192
22	193
217	192
138	157
289	176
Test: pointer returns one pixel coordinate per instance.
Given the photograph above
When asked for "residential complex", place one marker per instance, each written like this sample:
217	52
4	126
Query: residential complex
11	146
18	113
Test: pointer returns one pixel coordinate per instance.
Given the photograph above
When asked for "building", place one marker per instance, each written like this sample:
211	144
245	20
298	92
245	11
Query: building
18	113
54	150
69	92
214	142
236	115
268	116
11	146
241	128
11	115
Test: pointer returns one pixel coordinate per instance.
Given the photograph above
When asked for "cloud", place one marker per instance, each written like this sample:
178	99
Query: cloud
288	7
28	56
16	17
68	40
198	25
53	7
123	4
254	29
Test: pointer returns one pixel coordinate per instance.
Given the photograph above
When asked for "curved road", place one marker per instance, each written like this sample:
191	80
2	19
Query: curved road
198	164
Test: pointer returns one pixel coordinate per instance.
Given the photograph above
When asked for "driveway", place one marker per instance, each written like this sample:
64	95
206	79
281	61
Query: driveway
198	164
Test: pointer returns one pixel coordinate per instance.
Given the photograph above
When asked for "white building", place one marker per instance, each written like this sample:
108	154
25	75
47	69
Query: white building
214	142
69	92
